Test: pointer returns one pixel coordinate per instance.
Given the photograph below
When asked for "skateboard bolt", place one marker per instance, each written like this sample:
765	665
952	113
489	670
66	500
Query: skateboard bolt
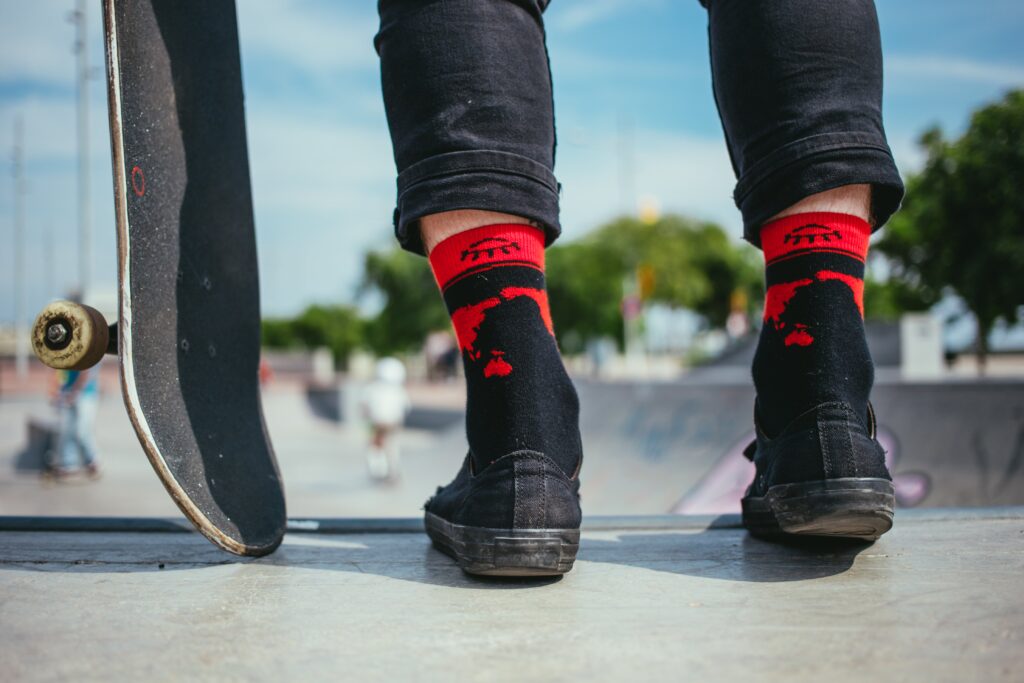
56	333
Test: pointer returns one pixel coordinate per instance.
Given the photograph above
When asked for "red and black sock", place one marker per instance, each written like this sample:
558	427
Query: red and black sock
812	348
519	396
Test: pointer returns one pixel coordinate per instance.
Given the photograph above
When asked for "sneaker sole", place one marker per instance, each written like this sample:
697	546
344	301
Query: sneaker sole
857	508
505	552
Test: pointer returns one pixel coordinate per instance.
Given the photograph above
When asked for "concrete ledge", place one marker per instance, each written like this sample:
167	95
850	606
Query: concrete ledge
939	598
385	525
341	525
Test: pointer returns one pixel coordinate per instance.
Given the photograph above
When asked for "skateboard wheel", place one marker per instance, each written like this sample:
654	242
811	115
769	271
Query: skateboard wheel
70	336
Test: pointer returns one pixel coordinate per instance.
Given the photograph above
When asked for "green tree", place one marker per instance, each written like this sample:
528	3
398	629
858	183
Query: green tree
412	307
338	328
277	334
693	265
585	291
962	223
889	299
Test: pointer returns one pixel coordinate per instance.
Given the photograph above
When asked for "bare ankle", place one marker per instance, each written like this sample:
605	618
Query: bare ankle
854	200
437	227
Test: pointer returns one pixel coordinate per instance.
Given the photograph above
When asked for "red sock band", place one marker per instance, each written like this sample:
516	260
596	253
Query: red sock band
819	231
484	248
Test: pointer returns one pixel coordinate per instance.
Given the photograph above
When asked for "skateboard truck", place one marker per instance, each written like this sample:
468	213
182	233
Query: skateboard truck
72	336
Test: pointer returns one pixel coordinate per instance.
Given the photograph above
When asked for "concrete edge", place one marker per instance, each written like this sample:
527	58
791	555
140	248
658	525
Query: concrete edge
402	525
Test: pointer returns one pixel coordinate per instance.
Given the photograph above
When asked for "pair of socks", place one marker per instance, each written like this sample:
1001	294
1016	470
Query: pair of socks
812	347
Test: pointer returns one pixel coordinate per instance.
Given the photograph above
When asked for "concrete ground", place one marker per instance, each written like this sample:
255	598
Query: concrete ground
939	598
669	598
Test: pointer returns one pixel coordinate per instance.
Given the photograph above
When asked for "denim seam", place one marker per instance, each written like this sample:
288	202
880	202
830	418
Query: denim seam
470	171
801	150
455	163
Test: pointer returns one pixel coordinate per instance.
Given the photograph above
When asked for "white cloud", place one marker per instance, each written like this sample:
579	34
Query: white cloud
954	68
323	188
566	62
317	38
36	41
576	14
51	223
323	193
322	171
683	173
908	154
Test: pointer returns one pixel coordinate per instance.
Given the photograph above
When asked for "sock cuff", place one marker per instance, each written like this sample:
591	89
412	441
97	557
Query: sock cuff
818	231
483	248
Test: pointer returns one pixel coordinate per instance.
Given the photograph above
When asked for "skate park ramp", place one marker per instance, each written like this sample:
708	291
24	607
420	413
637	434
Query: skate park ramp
883	339
677	447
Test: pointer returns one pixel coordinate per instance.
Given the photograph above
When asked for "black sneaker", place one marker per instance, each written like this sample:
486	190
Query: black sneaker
824	475
520	516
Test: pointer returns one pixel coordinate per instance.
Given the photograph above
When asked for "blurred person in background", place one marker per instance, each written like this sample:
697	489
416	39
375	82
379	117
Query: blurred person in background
385	404
76	398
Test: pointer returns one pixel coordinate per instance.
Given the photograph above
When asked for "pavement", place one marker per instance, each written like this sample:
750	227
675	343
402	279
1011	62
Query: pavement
651	598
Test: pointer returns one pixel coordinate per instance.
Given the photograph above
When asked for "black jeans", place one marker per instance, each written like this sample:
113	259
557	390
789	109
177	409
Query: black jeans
467	89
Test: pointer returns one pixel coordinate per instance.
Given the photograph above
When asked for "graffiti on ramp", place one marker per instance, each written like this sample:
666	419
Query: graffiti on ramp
719	491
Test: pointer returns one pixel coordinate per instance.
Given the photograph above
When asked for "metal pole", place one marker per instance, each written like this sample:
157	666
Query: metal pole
20	328
80	19
627	169
48	265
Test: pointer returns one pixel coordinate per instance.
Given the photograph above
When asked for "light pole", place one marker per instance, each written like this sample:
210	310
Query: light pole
20	331
80	19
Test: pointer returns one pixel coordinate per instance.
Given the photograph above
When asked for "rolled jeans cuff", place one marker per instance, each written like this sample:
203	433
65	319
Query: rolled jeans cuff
479	179
815	164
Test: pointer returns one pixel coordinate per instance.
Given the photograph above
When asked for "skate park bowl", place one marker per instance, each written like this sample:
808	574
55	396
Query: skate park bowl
678	446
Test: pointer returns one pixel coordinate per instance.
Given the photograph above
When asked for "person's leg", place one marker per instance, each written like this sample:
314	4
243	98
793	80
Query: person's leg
376	461
64	451
467	91
85	430
798	85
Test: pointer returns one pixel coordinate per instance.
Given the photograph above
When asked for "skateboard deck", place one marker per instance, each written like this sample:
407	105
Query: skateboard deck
189	328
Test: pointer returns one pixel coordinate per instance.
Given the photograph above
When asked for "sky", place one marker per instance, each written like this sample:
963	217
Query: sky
628	75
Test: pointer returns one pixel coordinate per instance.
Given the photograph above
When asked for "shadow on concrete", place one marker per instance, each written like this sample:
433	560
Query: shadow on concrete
720	551
711	554
41	440
728	555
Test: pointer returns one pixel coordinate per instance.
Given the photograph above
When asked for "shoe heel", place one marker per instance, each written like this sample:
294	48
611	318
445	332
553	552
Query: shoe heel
505	552
854	507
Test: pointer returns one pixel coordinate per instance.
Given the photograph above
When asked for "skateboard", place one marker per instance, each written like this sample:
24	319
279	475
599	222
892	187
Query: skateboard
189	329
